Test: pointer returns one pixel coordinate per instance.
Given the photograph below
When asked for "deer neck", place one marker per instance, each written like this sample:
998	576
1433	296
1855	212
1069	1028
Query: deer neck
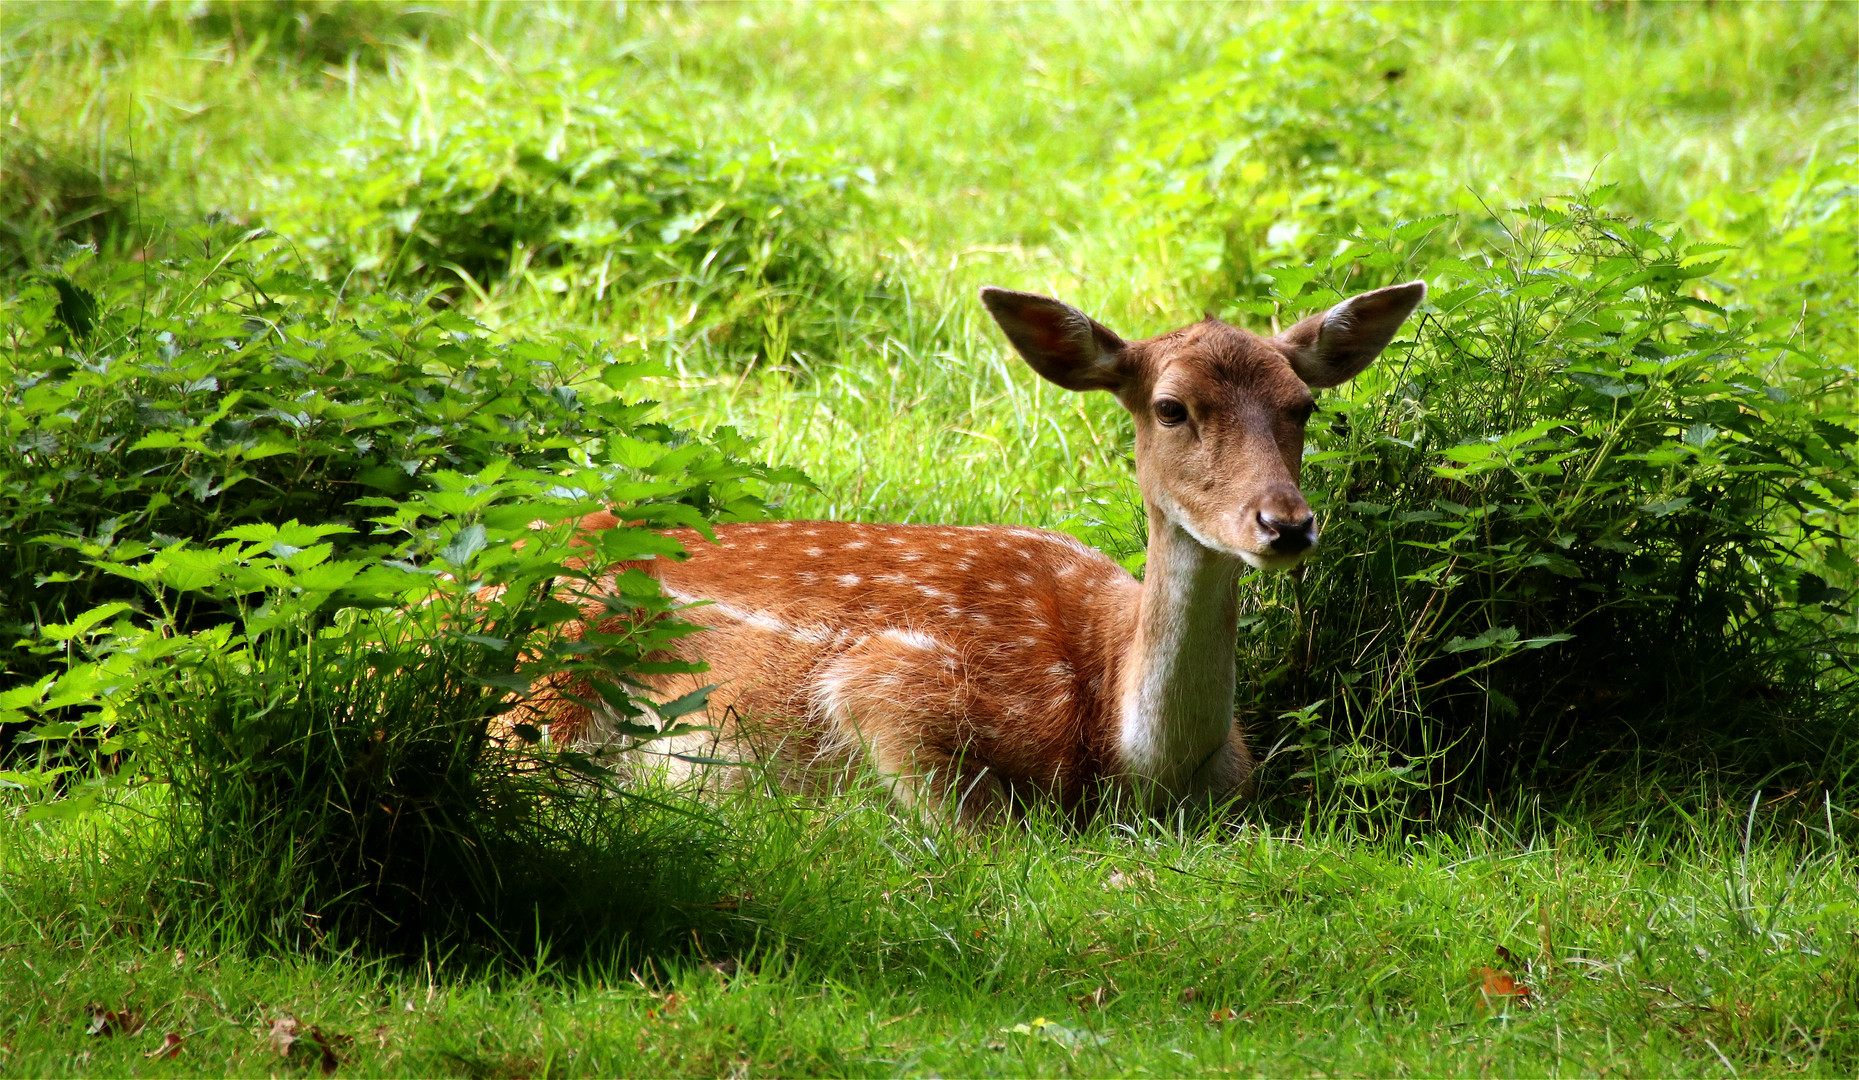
1177	677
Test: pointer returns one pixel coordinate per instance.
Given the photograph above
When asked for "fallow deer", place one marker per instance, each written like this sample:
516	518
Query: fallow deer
985	665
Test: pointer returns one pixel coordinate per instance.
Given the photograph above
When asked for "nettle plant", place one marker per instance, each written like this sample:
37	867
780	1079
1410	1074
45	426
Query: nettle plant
1585	509
280	559
1284	139
565	194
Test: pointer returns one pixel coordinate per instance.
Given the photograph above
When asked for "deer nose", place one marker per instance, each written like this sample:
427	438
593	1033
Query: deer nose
1290	536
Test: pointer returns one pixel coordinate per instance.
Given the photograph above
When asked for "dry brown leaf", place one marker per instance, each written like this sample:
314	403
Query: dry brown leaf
1497	988
327	1045
666	1006
170	1047
112	1021
1222	1015
283	1034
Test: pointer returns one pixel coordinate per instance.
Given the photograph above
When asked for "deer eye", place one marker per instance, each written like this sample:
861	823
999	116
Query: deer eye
1170	412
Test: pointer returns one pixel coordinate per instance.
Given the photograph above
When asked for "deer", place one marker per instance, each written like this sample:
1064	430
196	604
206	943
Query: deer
976	669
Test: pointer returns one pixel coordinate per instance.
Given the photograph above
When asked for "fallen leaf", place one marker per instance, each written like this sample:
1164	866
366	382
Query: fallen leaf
1504	955
1497	989
1120	880
283	1034
327	1045
111	1021
1070	1038
666	1006
170	1046
1223	1014
1095	999
1189	995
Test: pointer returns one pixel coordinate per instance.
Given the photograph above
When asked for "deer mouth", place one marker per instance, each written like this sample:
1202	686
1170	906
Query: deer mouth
1274	561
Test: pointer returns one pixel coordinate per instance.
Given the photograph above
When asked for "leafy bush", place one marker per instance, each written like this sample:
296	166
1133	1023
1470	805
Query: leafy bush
1291	135
615	210
1800	245
224	388
1586	509
287	559
321	31
335	777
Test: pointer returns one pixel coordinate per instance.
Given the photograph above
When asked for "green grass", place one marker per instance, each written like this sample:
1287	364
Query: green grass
1660	928
852	943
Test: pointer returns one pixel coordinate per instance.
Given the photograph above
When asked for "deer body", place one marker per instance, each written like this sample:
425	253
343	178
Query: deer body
983	666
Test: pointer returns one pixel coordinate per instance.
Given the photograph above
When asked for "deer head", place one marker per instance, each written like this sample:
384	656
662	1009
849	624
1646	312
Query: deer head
1220	412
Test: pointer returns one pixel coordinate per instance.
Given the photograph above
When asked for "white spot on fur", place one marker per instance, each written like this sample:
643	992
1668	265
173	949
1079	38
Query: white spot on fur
815	552
1024	579
849	580
761	620
857	544
912	638
997	586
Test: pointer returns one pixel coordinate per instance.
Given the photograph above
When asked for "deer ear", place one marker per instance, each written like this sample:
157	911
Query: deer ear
1332	347
1063	344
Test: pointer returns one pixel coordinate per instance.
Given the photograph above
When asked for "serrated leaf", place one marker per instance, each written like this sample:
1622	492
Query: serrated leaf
468	542
77	627
688	703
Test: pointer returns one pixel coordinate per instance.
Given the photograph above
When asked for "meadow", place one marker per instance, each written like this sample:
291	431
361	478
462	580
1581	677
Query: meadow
307	302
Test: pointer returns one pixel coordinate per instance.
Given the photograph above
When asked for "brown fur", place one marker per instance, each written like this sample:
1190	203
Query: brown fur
1020	678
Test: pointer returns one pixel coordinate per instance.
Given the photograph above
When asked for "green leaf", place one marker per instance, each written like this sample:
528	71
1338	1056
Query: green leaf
77	306
1666	507
466	544
83	623
1496	636
688	703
